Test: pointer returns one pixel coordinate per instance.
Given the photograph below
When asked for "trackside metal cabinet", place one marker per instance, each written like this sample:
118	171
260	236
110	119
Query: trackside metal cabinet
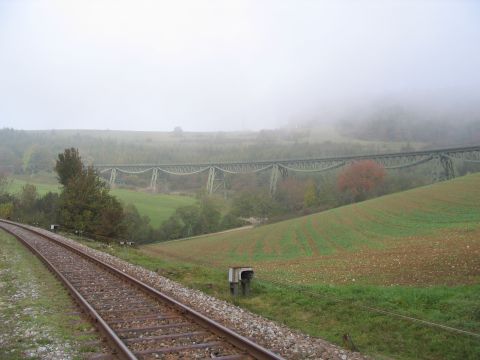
240	276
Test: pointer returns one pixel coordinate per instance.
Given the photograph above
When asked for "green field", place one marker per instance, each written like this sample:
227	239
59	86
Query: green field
158	207
432	223
415	253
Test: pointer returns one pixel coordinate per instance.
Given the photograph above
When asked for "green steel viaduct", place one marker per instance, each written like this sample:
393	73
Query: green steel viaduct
443	159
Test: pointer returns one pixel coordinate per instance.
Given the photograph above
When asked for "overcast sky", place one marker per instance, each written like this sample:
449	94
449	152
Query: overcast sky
228	65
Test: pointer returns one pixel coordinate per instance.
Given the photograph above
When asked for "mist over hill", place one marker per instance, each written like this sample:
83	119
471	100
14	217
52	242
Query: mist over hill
383	128
438	126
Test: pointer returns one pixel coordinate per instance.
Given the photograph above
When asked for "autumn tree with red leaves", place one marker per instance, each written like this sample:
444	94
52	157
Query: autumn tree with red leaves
360	179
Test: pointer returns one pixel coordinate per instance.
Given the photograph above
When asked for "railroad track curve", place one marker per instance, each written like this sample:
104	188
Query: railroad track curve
138	321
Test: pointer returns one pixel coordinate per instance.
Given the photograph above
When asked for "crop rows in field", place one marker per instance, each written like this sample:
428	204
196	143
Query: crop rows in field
428	235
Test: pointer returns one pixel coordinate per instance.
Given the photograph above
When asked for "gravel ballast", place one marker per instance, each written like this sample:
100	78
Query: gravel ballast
280	339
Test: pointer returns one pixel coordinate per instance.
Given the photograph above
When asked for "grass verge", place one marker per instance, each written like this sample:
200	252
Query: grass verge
36	313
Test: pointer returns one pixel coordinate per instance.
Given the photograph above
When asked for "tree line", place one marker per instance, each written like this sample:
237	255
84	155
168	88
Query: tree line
86	207
30	152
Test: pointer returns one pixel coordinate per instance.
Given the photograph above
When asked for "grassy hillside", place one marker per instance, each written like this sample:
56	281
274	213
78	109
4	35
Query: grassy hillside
428	235
158	207
415	254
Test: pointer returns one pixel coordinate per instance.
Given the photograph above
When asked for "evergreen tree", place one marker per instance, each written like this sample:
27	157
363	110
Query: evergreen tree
85	202
68	166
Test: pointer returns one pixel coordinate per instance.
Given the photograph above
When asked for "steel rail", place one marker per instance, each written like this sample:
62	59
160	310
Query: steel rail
303	160
241	342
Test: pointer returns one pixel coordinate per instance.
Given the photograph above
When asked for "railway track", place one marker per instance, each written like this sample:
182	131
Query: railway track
138	321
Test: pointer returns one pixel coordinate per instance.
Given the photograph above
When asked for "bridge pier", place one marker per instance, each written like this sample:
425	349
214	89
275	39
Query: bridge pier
444	169
274	179
113	177
153	181
215	180
274	176
448	169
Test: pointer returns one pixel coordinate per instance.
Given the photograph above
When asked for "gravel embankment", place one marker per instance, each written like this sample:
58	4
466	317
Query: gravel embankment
278	338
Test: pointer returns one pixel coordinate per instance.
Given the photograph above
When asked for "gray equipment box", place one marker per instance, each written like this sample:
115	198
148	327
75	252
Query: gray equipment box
240	275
